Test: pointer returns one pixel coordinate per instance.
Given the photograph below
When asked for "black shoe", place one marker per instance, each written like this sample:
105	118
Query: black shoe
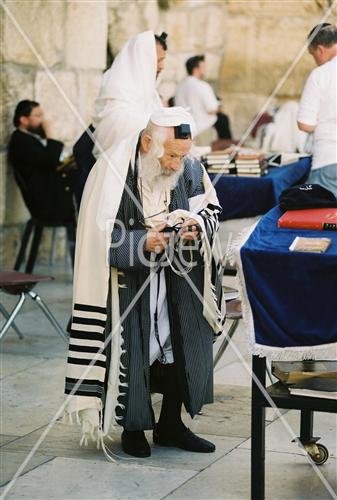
134	443
184	439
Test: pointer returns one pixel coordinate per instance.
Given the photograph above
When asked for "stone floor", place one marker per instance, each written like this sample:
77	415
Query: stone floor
32	373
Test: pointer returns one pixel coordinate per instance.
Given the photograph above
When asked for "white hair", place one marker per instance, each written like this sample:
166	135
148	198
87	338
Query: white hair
151	169
158	137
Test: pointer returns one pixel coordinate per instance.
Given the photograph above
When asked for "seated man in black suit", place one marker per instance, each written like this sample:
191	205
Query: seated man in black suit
35	157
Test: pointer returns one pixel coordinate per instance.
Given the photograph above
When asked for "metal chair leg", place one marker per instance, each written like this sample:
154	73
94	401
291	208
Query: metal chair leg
225	342
34	249
12	316
23	246
49	315
71	238
52	247
6	314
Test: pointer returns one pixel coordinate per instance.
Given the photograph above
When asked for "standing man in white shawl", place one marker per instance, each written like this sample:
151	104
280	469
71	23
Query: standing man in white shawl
145	312
128	91
126	99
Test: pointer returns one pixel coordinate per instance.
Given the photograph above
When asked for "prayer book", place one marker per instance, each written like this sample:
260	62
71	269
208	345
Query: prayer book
293	372
316	388
229	292
312	218
316	245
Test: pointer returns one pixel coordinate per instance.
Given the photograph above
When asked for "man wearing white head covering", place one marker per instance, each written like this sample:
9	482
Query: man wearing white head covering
128	92
126	99
147	305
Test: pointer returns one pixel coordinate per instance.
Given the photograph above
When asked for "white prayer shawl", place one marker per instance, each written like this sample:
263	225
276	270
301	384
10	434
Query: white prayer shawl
91	287
128	92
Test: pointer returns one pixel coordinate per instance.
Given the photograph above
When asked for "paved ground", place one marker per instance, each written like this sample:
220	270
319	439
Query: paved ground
32	372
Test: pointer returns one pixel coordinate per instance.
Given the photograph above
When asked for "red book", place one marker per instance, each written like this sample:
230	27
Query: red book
311	218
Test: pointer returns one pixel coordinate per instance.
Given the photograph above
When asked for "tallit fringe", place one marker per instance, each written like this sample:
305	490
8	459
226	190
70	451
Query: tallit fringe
326	351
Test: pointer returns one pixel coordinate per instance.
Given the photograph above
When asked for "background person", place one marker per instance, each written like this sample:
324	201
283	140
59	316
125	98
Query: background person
198	96
318	107
36	157
116	89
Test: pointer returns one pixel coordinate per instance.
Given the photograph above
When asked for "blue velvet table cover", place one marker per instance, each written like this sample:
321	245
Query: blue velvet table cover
249	196
292	295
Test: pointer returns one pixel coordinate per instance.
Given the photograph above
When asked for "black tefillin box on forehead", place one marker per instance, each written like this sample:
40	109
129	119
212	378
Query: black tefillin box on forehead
182	131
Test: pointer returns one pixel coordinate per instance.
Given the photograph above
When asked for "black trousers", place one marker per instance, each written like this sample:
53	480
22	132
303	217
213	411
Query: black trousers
222	126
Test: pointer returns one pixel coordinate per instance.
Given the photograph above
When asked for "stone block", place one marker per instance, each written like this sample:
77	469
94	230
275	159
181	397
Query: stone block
16	84
241	109
53	97
278	45
176	23
86	34
215	31
274	8
238	71
3	174
151	15
15	211
213	64
10	238
88	84
167	90
171	67
40	22
120	26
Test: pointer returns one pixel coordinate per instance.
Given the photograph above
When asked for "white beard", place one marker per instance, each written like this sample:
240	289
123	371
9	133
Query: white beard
153	173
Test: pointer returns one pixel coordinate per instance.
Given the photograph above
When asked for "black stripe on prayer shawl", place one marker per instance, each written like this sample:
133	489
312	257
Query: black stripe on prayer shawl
83	361
85	382
85	307
80	334
89	321
84	348
96	394
83	387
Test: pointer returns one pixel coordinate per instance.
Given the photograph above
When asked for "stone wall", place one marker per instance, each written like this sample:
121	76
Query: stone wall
54	53
249	45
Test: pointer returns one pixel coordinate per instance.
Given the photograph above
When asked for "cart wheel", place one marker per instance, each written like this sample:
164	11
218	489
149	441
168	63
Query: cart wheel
322	456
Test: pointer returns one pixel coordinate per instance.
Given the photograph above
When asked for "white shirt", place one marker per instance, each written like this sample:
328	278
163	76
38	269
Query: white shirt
318	108
199	96
154	201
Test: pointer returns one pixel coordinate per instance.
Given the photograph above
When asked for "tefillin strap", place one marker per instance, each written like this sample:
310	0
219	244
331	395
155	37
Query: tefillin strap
162	358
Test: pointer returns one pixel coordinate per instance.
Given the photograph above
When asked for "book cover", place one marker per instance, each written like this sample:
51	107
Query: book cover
316	387
316	245
312	218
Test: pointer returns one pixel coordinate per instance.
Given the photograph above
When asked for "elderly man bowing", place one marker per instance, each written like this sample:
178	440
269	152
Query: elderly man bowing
148	321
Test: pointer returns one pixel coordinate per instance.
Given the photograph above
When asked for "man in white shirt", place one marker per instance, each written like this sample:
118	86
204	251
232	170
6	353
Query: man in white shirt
197	95
318	108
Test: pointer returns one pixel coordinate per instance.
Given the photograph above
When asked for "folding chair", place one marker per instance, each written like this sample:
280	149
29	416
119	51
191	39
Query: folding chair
233	311
21	284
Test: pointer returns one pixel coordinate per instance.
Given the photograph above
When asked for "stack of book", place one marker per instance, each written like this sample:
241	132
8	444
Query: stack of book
219	162
251	164
310	378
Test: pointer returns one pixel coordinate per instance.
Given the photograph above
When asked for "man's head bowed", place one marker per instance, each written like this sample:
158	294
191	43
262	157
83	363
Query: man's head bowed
164	144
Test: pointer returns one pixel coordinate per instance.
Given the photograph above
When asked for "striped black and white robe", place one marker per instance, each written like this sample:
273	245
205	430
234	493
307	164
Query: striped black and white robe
126	357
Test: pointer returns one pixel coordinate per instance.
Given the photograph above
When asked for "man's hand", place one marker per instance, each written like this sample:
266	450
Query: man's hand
189	234
157	241
46	125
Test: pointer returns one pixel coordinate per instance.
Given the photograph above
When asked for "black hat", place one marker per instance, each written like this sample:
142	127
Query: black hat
162	39
307	196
